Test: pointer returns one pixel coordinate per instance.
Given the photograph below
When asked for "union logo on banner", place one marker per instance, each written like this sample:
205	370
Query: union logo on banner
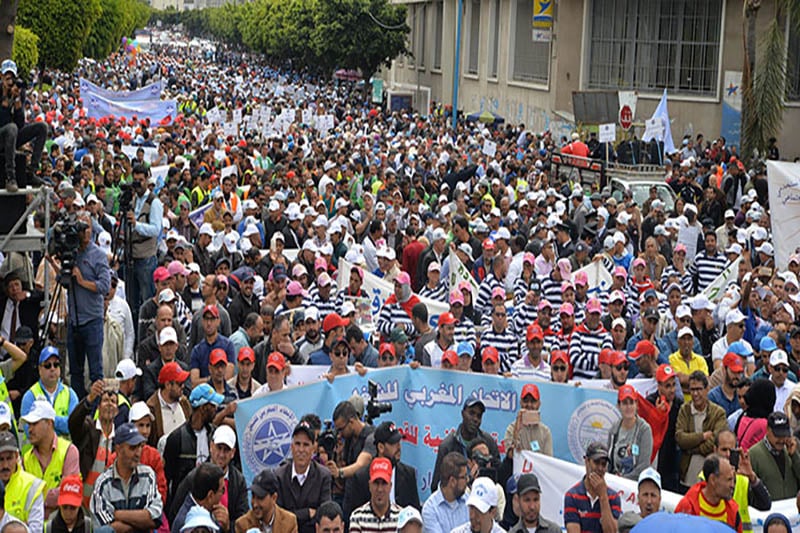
590	422
268	437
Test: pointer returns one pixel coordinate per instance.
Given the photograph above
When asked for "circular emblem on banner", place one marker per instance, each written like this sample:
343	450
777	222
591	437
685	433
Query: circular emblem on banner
590	422
267	437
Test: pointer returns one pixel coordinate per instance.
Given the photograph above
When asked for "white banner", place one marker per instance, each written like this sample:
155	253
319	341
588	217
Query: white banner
459	273
716	289
557	476
599	278
784	204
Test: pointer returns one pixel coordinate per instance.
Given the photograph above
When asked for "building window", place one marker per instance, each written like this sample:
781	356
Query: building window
412	36
421	13
437	41
793	65
474	36
493	59
655	44
530	59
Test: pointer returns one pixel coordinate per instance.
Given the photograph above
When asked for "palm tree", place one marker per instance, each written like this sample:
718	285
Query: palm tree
764	82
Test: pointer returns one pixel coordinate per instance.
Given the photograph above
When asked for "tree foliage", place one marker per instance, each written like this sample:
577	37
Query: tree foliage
25	52
321	35
118	18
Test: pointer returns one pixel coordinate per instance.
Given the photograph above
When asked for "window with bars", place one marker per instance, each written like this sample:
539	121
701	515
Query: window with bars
655	44
437	41
530	60
793	65
421	14
493	55
474	36
411	21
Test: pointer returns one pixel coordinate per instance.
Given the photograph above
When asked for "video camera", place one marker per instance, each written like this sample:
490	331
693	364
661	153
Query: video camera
127	190
374	407
64	244
328	439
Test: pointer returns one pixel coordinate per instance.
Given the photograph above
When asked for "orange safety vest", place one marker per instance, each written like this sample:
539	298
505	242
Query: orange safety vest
102	460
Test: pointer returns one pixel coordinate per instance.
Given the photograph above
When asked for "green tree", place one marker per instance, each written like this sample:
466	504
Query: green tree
25	52
764	74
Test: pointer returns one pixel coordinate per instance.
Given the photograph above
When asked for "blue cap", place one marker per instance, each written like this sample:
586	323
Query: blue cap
740	348
767	344
127	434
465	348
47	353
203	394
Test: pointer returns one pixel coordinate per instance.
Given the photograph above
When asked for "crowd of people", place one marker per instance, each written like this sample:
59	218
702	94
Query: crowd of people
186	292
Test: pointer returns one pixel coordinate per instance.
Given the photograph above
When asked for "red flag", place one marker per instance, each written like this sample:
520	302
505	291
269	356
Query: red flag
658	418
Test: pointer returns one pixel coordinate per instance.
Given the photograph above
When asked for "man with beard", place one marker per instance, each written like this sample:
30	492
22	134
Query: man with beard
249	333
648	498
404	487
446	508
312	340
245	302
528	500
24	492
725	395
145	221
590	505
445	335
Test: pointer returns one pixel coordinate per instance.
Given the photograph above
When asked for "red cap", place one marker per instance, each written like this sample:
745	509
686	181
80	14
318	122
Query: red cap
276	360
211	309
218	355
617	358
559	355
490	352
605	356
534	332
332	321
643	348
160	274
451	357
530	390
626	392
733	361
664	372
71	491
488	244
387	347
446	318
381	468
247	352
172	371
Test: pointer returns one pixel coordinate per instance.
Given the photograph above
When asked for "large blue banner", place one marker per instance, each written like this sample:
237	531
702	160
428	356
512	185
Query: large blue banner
426	406
148	92
143	103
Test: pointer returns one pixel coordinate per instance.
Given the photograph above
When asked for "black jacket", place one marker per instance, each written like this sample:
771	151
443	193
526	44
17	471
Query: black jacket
180	456
315	491
239	309
237	495
405	490
454	443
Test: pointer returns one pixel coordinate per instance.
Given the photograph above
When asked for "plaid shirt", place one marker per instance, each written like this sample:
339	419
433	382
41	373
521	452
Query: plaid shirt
111	494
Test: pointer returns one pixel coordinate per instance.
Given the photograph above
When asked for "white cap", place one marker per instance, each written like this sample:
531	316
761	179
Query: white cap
193	267
167	334
206	229
340	202
312	313
766	248
619	321
127	369
778	357
660	230
347	308
166	296
734	248
759	234
438	234
225	435
321	220
434	266
138	411
407	515
43	410
495	212
683	311
230	241
383	251
650	474
734	316
503	233
790	278
483	495
624	217
685	330
5	414
251	229
730	214
701	302
274	205
619	237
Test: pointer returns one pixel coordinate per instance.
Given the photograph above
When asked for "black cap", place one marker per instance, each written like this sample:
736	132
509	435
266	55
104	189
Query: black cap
795	331
8	442
304	427
24	334
779	424
474	401
527	483
596	450
266	482
651	312
387	433
581	247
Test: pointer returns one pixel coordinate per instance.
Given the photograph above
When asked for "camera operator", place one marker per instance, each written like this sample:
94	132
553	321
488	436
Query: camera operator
13	130
91	281
359	444
145	220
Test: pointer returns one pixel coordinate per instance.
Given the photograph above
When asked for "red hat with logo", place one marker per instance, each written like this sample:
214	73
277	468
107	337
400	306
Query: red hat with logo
450	357
218	355
530	390
172	371
276	360
247	352
644	347
664	372
534	332
559	355
446	318
733	362
626	392
381	468
332	321
71	491
490	353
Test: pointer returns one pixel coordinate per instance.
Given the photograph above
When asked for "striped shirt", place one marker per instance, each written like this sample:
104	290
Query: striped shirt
438	293
521	288
325	307
524	316
686	278
580	509
523	369
391	316
483	302
584	349
111	494
364	520
551	291
707	268
465	332
505	342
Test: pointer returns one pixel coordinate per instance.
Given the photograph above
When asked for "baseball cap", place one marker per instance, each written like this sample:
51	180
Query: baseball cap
650	474
534	332
203	394
406	516
650	314
596	450
127	434
276	360
168	334
490	353
498	292
71	491
40	410
594	306
643	347
616	296
333	320
387	432
450	357
8	66
225	435
778	357
293	288
527	483
777	422
619	321
767	344
529	389
217	356
626	392
176	267
456	297
559	355
483	495
172	371
380	468
304	427
160	274
683	311
664	372
740	349
212	310
446	318
266	482
138	411
733	362
403	278
246	352
473	401
398	335
465	348
734	316
701	302
127	369
685	331
166	296
617	358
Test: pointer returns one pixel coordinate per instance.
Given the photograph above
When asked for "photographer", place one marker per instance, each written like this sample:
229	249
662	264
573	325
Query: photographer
145	218
359	446
91	280
13	130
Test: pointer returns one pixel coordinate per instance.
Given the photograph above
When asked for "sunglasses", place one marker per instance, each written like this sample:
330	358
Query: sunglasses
622	367
388	358
781	368
48	366
341	353
559	369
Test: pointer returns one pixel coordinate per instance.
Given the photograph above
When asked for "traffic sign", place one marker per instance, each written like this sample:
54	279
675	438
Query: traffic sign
625	117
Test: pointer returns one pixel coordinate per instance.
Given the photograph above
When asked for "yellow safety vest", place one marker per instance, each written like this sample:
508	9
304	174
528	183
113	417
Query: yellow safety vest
61	403
22	490
54	470
740	491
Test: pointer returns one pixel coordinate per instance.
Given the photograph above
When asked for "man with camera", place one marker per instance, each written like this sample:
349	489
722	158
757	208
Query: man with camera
13	130
144	216
359	445
91	281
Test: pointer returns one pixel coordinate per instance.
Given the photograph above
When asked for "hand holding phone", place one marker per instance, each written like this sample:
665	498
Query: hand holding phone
530	417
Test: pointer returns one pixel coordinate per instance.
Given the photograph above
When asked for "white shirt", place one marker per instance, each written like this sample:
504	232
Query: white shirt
202	445
301	478
720	348
118	310
782	394
172	415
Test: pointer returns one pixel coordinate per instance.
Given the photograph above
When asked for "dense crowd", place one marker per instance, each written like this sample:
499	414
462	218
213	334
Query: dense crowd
189	290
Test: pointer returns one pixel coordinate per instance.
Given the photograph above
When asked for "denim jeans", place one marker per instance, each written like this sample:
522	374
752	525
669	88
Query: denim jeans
8	145
85	342
143	287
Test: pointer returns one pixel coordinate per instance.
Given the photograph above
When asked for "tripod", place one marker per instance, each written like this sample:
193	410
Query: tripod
123	249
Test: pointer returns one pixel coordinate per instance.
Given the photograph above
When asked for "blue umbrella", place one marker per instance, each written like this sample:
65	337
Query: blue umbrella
679	523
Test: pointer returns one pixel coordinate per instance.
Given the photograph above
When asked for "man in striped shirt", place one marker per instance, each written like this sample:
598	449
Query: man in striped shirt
590	505
708	264
493	279
500	337
587	341
379	514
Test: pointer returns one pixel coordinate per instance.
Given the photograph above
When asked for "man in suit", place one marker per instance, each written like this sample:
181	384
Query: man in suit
304	484
404	485
208	486
266	514
18	308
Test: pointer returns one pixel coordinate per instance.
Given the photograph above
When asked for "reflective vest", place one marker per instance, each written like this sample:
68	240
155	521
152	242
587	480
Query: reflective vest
52	474
61	403
22	490
102	460
740	491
